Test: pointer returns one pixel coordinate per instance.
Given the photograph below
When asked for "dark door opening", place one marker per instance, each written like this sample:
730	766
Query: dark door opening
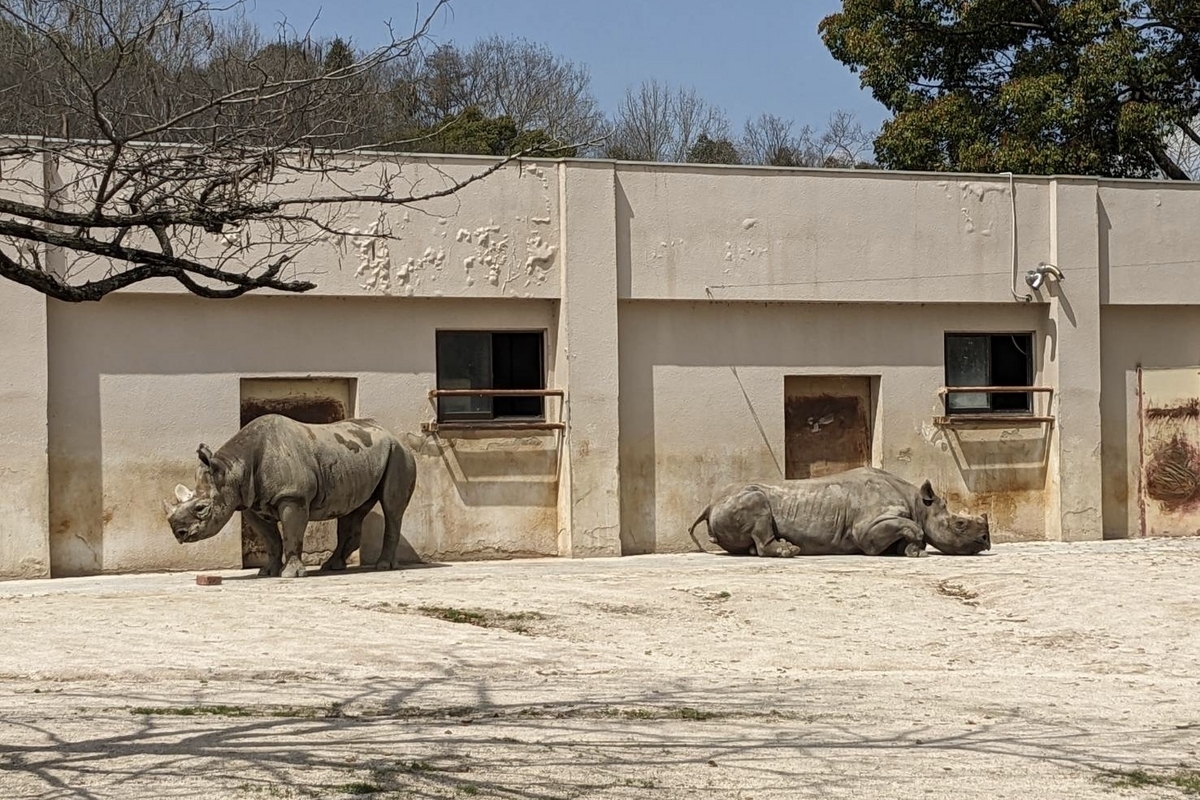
827	425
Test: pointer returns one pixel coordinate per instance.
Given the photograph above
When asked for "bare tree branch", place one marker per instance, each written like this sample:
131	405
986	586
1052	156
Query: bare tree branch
656	122
843	142
192	148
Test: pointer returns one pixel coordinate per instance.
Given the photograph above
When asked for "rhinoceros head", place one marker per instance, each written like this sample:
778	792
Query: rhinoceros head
202	513
953	534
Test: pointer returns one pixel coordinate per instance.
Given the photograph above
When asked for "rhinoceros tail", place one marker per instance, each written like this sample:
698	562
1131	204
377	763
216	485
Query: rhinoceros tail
692	530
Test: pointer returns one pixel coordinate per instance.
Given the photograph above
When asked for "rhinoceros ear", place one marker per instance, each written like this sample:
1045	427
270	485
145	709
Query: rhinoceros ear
927	495
182	493
205	454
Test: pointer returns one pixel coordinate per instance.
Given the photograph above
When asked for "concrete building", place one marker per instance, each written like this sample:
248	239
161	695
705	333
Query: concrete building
691	326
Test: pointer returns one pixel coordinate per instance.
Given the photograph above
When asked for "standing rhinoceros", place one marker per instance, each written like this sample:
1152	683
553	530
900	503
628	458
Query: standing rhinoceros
860	511
279	472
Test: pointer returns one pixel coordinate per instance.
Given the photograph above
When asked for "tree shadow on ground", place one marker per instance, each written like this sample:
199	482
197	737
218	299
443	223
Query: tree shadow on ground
385	740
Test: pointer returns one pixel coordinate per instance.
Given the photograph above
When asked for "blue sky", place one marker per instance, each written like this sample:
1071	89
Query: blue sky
747	56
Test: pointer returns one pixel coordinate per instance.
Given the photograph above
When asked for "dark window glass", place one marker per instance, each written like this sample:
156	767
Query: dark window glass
490	360
1004	359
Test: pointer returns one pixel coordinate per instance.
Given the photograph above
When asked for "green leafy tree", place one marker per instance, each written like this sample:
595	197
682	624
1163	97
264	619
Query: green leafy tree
470	132
1038	86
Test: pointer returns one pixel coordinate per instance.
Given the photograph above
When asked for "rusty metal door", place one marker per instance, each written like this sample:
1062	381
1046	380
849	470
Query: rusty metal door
827	424
1169	439
313	400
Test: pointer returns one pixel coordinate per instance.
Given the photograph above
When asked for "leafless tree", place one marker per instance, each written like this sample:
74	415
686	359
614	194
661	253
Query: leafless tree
149	139
534	87
1183	149
656	122
769	139
504	77
843	142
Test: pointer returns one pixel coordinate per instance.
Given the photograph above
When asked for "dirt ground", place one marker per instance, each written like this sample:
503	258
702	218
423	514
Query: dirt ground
1036	671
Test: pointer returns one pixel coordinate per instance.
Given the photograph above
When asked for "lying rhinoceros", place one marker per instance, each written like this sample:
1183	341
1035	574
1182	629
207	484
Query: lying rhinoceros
279	472
861	511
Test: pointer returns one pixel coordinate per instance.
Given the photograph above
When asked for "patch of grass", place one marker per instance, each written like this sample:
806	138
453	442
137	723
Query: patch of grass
515	621
442	712
454	615
191	711
686	712
957	591
359	787
637	713
227	711
269	789
1185	780
669	712
722	595
468	788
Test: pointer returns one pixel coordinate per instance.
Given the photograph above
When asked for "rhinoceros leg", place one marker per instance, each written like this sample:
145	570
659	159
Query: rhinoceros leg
268	531
349	537
293	517
396	490
743	523
887	531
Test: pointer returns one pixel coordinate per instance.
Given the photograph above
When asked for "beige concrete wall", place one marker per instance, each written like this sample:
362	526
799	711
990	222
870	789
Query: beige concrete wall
589	506
1154	337
138	382
498	237
676	298
1074	509
1149	237
24	544
698	379
815	235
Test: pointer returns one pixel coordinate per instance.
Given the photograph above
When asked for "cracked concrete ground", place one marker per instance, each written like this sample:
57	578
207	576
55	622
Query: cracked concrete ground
1037	671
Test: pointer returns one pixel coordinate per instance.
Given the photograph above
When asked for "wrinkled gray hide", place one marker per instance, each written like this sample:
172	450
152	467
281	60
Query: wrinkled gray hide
861	511
281	473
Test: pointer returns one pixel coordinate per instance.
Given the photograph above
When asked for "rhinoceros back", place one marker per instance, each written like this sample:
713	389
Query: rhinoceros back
334	467
824	515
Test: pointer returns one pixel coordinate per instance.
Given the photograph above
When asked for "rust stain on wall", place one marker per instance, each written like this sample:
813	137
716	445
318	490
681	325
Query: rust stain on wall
1169	439
1188	410
1173	473
311	410
826	424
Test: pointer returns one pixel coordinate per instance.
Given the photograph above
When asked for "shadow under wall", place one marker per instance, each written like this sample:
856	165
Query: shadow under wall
624	224
636	451
636	445
74	452
1103	248
157	335
814	339
1115	414
991	460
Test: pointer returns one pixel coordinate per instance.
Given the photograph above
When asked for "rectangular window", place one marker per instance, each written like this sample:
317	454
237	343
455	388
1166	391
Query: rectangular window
491	360
989	359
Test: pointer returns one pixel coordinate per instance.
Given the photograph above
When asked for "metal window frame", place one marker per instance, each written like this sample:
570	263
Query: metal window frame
991	389
484	419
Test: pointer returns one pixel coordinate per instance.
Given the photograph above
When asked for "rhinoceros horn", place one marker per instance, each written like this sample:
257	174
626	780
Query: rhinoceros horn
183	494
